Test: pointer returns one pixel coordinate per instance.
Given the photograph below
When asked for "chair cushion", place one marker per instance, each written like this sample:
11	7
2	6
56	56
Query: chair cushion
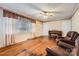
65	45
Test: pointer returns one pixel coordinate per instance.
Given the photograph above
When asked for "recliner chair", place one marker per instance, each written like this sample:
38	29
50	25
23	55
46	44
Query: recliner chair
70	38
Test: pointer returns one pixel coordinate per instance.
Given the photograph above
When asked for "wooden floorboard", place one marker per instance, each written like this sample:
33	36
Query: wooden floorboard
36	46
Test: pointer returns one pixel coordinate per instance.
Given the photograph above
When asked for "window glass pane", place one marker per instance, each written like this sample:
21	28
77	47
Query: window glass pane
24	25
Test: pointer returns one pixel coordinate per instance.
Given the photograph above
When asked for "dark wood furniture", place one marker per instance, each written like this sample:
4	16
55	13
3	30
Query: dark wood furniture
54	33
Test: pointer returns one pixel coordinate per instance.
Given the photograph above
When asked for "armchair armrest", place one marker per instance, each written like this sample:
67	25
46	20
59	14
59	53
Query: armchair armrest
56	51
69	42
60	37
50	52
65	45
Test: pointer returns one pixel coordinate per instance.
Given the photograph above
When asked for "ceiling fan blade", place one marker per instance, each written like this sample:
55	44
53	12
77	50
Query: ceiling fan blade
35	7
55	12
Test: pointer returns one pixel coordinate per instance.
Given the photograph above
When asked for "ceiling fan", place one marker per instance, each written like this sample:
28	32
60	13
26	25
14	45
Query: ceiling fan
47	13
33	6
50	12
43	12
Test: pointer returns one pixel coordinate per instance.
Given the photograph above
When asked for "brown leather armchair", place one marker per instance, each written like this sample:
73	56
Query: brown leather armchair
70	38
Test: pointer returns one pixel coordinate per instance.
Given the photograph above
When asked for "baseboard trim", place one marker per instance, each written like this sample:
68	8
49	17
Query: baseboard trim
38	37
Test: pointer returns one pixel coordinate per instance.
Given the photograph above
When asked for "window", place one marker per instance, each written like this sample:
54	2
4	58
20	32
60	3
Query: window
21	23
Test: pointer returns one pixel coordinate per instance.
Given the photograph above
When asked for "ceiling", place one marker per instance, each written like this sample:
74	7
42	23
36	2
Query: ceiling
59	11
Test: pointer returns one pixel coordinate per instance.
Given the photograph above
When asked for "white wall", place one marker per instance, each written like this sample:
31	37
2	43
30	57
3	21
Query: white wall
63	25
75	21
66	26
38	29
45	28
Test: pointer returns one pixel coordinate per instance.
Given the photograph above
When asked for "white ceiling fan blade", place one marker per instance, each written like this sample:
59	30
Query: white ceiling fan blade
53	11
34	7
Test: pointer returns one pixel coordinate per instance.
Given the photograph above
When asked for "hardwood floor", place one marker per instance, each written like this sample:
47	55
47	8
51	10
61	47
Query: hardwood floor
36	46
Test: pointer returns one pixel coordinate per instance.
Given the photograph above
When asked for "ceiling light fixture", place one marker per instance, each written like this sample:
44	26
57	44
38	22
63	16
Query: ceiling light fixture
46	14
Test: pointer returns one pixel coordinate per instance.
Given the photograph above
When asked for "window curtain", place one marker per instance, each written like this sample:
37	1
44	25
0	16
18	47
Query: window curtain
10	27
